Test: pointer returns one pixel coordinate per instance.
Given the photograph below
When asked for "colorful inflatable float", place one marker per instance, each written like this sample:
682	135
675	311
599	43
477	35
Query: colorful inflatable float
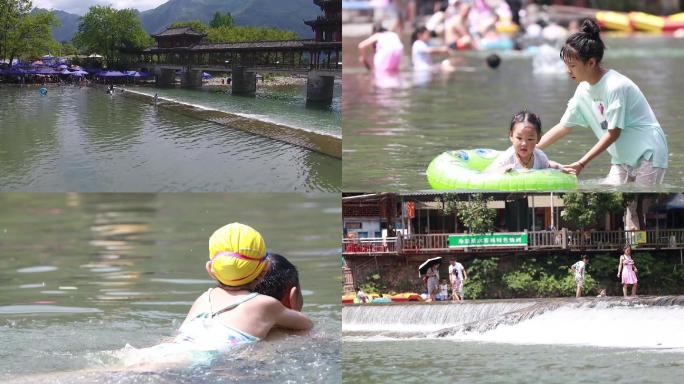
374	298
463	170
640	21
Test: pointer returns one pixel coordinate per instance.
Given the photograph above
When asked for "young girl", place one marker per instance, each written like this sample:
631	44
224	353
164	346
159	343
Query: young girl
388	50
229	315
232	314
524	134
615	109
421	52
443	291
628	270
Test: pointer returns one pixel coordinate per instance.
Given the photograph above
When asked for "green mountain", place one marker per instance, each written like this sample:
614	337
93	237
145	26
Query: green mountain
283	14
69	24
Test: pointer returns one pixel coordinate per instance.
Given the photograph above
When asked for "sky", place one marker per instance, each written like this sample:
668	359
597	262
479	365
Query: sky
80	7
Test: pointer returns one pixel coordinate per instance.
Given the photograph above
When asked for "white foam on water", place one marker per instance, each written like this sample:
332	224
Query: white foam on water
24	309
37	269
625	327
421	318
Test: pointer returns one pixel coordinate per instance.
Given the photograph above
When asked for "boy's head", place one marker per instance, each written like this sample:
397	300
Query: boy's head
585	258
237	255
281	282
493	61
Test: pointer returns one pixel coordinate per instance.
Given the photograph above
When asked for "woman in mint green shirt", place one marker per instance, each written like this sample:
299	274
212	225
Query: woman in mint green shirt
615	109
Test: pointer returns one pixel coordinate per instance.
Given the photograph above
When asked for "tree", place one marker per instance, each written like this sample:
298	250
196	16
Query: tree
585	209
30	36
474	213
23	34
222	20
11	11
68	49
111	32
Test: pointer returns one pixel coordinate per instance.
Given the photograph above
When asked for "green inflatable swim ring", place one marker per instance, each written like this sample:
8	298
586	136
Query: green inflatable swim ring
463	169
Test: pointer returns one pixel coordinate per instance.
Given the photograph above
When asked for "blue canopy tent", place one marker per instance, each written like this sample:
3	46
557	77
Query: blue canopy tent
206	75
112	75
46	71
79	73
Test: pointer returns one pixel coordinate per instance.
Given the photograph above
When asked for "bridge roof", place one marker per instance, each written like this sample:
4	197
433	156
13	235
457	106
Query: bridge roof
251	46
179	31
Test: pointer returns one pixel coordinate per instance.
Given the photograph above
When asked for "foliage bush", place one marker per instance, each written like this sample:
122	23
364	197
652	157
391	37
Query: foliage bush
373	283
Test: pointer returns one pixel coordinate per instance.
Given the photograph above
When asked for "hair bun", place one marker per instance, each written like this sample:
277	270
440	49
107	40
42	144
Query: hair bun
589	26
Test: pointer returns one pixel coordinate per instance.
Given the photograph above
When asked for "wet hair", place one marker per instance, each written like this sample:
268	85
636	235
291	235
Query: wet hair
493	61
279	279
585	44
526	116
419	31
377	28
585	257
627	246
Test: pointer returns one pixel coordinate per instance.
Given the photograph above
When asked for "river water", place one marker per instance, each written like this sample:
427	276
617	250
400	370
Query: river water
76	139
83	275
552	341
394	126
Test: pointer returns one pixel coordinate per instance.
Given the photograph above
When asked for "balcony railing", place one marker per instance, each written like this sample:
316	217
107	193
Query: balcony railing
370	245
536	240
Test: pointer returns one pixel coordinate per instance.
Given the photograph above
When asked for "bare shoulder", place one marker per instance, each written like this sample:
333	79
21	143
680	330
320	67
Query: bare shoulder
199	302
267	303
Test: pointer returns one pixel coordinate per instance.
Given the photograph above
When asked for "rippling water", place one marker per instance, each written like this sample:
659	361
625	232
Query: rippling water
84	140
394	126
83	275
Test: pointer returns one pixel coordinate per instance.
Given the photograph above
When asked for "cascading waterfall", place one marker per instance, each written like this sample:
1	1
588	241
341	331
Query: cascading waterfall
418	318
648	322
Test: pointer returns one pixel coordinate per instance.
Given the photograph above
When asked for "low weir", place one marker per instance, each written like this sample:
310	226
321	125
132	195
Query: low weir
643	322
327	144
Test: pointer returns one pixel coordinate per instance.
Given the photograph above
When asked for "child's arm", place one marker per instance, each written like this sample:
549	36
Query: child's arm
438	50
555	165
362	50
291	319
619	266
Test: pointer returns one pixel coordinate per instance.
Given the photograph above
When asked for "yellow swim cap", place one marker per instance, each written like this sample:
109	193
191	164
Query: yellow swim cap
237	253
